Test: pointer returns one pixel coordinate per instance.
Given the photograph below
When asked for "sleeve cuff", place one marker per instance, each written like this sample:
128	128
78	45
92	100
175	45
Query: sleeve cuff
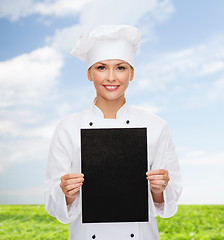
64	213
73	208
169	207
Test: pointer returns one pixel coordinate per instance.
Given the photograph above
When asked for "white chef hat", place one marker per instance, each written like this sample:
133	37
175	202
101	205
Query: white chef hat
108	42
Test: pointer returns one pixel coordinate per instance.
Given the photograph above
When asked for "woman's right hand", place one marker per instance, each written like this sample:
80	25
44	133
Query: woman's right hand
70	185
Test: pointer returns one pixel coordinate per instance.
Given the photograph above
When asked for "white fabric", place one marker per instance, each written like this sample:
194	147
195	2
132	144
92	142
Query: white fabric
65	157
108	42
105	49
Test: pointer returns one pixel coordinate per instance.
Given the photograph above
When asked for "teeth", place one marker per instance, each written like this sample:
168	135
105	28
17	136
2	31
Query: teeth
111	87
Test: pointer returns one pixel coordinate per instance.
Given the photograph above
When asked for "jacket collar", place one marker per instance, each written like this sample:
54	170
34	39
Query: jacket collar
98	113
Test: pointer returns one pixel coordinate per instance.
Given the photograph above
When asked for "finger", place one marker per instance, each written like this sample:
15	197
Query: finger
157	186
159	183
65	183
72	181
158	177
163	178
72	176
156	190
72	186
66	188
72	192
157	172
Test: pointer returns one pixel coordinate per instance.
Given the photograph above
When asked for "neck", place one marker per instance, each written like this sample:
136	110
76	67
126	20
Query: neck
110	107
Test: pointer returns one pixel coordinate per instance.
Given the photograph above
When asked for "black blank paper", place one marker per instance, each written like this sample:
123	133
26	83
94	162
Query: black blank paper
114	164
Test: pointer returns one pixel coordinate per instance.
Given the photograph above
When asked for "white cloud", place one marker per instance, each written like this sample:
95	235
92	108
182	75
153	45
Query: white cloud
163	10
202	193
28	77
25	195
202	174
24	149
27	82
148	107
219	83
59	7
23	8
98	10
26	135
191	64
200	157
21	128
145	14
65	38
125	12
15	9
216	91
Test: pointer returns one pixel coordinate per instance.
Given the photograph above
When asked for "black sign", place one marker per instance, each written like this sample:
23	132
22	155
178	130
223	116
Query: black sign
114	164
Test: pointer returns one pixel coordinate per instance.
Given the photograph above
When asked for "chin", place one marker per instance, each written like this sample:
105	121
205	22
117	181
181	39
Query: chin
113	98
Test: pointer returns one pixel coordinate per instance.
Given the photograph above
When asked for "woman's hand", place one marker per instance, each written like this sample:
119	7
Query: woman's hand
158	179
70	185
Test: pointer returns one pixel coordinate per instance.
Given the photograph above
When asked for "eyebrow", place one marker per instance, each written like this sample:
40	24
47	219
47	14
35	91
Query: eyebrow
116	64
120	63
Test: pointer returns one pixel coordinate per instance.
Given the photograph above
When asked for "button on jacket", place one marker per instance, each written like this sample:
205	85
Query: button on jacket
65	157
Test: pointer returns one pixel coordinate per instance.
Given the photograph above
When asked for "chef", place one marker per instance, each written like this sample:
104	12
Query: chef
109	52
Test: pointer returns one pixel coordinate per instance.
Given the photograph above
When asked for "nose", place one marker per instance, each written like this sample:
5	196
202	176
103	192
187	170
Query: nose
111	75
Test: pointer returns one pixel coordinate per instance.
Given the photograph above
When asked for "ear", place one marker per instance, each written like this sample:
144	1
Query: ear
132	73
89	74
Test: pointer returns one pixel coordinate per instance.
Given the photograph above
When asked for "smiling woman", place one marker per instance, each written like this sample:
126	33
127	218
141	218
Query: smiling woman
111	79
137	150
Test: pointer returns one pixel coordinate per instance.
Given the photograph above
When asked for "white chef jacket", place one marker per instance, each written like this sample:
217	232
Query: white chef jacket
65	157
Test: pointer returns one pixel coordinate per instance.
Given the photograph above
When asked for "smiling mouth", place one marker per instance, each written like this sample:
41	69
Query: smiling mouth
111	87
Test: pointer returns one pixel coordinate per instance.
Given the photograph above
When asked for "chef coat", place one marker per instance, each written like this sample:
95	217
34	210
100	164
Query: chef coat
65	157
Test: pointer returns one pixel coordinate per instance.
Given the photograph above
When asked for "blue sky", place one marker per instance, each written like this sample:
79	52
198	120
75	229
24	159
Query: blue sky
179	75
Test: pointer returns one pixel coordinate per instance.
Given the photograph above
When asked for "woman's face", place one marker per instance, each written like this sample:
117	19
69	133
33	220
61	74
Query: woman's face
111	78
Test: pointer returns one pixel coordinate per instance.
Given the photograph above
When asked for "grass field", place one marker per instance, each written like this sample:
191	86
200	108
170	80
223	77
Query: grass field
192	222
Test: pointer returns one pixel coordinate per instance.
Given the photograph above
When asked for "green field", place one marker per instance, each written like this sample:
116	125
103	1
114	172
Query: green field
196	222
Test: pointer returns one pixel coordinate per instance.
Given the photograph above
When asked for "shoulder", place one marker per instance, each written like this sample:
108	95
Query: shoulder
71	121
145	115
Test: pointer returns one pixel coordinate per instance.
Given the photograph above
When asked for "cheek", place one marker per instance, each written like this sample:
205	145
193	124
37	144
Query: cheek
98	77
125	78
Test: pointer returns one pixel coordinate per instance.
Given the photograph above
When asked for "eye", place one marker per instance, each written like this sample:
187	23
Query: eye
101	67
121	68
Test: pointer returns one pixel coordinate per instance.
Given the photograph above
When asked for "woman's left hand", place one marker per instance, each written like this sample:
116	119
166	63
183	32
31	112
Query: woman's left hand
158	179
